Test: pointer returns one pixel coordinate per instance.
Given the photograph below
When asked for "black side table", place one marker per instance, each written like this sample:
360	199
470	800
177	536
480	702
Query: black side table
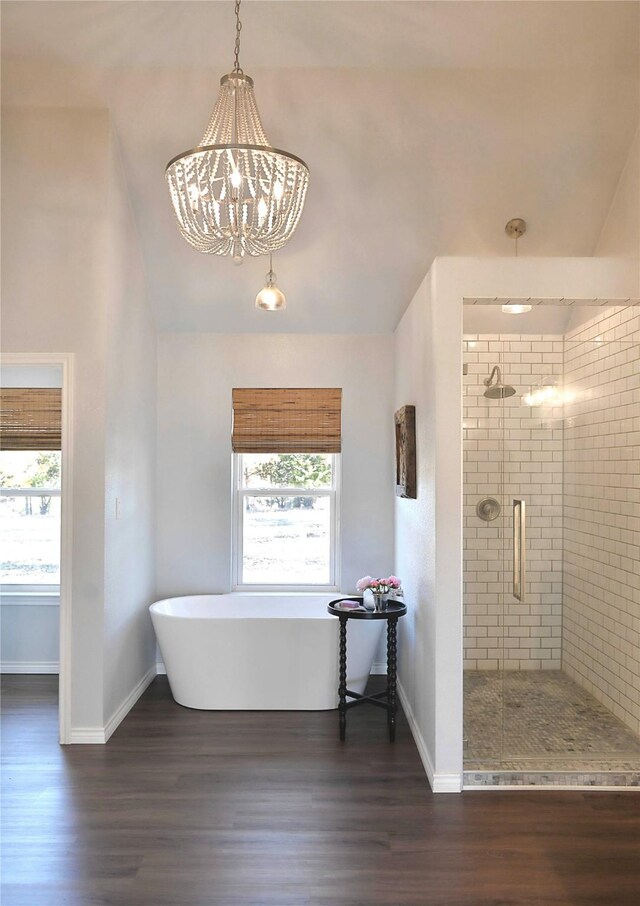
395	610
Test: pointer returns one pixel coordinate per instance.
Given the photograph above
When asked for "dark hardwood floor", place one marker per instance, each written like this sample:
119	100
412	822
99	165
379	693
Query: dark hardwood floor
191	808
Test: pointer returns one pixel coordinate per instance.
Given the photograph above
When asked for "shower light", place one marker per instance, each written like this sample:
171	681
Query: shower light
543	395
548	393
513	309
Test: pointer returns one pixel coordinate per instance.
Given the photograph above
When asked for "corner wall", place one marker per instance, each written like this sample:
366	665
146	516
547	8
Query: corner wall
71	283
130	456
53	215
428	533
415	522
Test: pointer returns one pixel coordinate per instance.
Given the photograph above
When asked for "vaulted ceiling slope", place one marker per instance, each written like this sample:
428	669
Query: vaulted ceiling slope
426	126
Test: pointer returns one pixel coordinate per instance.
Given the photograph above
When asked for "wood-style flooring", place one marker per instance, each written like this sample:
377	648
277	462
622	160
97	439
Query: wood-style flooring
192	808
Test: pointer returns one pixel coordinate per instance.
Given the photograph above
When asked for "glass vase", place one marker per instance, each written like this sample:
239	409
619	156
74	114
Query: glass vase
380	600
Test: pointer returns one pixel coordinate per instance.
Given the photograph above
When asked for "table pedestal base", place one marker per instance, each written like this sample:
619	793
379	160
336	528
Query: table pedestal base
386	700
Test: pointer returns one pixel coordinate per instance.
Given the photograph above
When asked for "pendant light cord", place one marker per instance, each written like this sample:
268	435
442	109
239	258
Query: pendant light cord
236	67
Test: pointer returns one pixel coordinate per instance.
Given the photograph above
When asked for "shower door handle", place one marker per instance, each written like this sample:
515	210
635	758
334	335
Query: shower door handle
519	549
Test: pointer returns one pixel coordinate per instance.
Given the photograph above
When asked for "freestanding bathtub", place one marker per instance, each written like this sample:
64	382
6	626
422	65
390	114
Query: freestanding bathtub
259	652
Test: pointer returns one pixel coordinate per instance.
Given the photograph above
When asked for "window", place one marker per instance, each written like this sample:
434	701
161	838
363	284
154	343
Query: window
30	462
286	517
286	443
30	520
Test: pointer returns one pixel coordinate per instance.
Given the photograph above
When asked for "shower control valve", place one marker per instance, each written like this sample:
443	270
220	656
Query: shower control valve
488	509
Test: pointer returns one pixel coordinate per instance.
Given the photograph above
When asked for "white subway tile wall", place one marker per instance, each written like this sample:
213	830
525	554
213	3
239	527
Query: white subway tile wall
512	451
578	469
601	616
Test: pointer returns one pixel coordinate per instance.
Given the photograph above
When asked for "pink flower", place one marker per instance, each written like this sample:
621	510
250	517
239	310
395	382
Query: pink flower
378	584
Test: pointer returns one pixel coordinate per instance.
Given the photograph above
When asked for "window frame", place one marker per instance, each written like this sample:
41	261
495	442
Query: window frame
239	493
31	592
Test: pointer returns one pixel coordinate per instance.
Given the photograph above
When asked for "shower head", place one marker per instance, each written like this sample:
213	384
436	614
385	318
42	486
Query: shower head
497	391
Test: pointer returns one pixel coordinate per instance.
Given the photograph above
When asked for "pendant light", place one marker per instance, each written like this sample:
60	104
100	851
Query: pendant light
234	194
270	298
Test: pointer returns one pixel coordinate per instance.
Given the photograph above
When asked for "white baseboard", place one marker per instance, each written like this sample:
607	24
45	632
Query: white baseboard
161	670
86	736
447	783
29	667
100	735
120	713
439	783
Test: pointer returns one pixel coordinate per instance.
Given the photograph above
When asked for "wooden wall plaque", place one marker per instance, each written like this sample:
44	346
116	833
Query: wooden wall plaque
405	420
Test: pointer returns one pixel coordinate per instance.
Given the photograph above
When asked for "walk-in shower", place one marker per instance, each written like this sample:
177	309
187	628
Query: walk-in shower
551	547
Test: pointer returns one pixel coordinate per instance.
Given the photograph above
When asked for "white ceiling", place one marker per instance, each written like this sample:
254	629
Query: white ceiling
426	126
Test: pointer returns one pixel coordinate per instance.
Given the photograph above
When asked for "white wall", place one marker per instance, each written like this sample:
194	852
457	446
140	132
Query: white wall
415	520
620	236
54	186
71	283
429	529
196	373
130	453
29	637
601	614
429	374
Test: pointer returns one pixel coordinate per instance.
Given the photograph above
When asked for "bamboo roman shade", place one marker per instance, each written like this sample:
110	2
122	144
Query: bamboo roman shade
297	420
30	418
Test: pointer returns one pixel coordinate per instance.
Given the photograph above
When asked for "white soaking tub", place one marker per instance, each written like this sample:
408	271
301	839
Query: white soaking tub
260	652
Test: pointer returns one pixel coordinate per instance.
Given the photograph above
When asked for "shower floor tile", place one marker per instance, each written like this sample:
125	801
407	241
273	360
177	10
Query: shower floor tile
550	724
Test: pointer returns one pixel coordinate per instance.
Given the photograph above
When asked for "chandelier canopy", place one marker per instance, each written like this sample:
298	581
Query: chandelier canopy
234	194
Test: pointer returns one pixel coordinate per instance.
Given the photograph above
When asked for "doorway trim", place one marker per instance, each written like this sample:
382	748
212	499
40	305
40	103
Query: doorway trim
64	360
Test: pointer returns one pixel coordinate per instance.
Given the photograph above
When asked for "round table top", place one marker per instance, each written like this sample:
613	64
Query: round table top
394	609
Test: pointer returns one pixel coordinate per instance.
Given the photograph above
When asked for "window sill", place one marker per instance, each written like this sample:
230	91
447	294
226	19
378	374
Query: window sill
30	598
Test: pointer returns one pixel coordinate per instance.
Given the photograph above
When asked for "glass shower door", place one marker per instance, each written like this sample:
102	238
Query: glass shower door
552	542
571	457
532	547
513	545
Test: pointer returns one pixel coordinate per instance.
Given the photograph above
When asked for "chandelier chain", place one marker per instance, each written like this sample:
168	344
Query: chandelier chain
236	67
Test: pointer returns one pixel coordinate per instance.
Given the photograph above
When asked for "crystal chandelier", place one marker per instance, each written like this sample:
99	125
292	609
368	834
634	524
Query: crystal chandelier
234	194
